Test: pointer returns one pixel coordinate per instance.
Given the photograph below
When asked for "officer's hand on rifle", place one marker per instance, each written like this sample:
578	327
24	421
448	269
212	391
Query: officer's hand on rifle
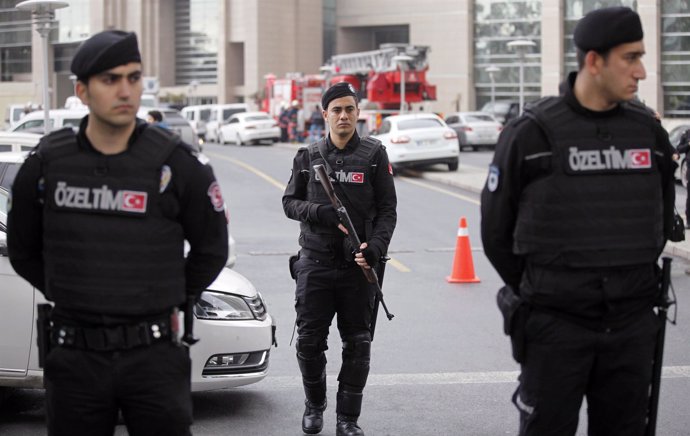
327	216
367	256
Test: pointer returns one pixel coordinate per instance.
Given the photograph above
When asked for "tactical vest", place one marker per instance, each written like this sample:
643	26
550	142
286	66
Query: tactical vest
602	203
108	247
352	173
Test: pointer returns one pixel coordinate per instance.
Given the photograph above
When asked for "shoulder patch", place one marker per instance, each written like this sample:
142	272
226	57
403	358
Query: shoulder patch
494	178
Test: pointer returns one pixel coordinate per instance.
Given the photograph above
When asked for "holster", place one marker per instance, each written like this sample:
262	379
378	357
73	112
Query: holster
44	325
291	262
515	312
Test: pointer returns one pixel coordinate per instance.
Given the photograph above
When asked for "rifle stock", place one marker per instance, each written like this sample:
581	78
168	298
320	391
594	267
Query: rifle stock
369	273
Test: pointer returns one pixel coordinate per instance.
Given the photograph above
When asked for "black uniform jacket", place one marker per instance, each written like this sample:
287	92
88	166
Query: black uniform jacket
607	295
204	228
297	206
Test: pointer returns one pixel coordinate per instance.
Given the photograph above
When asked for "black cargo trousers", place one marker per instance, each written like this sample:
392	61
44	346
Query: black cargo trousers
326	289
149	384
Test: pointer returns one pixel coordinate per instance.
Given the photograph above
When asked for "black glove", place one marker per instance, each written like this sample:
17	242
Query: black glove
327	215
372	254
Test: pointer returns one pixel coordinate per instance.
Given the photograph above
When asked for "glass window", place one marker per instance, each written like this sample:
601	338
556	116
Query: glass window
227	113
9	175
15	43
205	114
196	41
257	118
574	10
419	123
496	23
675	58
477	117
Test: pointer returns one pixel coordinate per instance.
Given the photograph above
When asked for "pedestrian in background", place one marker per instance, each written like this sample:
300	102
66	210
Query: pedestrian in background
98	224
284	122
577	208
316	124
156	117
292	121
328	275
683	147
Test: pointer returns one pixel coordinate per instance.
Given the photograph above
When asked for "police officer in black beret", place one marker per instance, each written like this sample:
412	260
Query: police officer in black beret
577	208
328	275
97	224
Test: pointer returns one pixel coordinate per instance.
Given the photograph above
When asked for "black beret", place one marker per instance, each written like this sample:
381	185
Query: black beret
103	51
603	29
340	89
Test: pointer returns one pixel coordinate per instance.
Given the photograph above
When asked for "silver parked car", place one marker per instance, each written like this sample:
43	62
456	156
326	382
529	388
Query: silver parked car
475	129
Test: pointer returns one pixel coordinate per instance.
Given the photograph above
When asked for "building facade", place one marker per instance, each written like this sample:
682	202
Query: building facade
204	51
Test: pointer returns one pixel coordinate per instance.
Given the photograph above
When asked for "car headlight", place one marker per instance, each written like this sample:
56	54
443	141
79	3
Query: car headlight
219	306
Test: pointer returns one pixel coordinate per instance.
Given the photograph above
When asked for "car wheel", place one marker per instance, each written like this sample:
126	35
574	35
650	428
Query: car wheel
453	165
684	173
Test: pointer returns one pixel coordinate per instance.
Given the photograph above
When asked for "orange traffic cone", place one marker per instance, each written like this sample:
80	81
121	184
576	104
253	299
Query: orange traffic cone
463	266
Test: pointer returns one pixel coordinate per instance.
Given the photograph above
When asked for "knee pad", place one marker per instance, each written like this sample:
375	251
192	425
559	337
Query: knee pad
356	357
311	357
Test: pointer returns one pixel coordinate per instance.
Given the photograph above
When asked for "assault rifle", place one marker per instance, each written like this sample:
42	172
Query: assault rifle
369	273
662	313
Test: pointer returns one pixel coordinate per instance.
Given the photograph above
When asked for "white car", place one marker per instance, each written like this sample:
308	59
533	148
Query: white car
59	118
18	141
475	129
235	330
220	114
419	139
249	127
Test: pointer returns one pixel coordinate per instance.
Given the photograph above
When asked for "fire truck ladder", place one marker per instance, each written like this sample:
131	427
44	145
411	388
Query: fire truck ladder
379	60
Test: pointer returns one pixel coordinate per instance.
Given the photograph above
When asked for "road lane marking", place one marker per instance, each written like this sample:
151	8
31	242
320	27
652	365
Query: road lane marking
394	263
441	190
430	379
250	168
398	265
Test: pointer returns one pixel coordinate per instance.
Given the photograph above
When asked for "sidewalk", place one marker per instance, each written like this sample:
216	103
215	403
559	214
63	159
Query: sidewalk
473	178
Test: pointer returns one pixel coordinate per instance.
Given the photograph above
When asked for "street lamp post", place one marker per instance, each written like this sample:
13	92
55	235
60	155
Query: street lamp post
521	46
401	61
43	13
491	70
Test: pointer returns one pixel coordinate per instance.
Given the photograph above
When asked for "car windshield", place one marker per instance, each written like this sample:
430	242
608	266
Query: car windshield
478	117
419	123
257	118
227	113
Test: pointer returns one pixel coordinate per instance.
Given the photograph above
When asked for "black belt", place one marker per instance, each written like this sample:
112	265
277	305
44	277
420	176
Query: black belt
327	260
113	338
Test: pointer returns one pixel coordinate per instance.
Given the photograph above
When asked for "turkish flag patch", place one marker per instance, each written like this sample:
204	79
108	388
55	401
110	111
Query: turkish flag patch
134	201
216	197
640	158
390	169
357	177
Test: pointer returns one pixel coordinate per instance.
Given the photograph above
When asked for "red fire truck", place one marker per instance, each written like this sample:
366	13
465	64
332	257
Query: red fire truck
376	75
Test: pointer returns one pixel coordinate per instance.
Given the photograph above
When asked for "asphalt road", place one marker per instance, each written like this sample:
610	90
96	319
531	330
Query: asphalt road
441	367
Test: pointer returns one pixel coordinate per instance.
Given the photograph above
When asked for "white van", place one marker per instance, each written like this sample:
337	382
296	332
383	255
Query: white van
220	114
198	116
59	118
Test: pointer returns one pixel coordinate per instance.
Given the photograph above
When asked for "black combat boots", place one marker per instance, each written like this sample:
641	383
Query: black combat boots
348	408
312	421
347	426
